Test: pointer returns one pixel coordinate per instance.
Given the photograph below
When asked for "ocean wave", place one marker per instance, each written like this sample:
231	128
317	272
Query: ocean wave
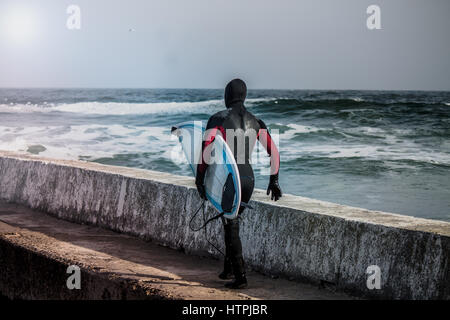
119	108
403	152
289	131
288	104
96	141
114	108
87	141
280	105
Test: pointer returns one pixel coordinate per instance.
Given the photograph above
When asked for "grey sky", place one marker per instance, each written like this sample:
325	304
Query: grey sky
311	44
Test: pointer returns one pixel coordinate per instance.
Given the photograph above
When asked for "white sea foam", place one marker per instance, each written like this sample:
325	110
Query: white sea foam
93	141
116	108
403	151
295	129
135	108
87	141
298	128
22	108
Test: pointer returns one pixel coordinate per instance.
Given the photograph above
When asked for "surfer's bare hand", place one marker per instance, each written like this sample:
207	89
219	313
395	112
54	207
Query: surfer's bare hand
274	187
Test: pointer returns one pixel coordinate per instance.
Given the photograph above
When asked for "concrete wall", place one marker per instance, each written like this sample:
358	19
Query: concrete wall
27	274
296	237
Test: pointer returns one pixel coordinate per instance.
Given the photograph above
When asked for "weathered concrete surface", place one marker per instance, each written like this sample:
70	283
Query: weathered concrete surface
297	237
36	249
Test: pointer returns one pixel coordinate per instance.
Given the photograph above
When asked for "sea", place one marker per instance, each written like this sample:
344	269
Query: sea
379	150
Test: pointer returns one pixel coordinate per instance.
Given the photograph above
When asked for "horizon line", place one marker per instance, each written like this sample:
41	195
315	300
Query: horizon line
249	89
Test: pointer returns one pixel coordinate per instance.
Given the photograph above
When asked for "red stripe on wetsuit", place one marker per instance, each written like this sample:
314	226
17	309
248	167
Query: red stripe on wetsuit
266	140
211	135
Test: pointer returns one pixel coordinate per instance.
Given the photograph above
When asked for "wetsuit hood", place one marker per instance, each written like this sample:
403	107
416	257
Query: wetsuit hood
235	92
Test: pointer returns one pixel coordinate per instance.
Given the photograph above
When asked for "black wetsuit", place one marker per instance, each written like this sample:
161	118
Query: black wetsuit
240	123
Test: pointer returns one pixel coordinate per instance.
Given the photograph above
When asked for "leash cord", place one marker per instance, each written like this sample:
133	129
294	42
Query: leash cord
205	223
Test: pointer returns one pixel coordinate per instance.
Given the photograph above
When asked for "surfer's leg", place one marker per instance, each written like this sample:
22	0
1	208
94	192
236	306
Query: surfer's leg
247	185
227	272
237	260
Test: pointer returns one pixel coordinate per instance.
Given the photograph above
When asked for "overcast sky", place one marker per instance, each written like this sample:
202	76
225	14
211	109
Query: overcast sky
310	44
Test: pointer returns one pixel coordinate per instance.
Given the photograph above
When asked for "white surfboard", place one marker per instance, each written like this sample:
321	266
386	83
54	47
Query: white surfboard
222	182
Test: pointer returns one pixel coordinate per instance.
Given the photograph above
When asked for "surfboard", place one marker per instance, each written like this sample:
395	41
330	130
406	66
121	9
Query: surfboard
222	182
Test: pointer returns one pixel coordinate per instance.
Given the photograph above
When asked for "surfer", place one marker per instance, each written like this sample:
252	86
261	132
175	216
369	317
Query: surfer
236	119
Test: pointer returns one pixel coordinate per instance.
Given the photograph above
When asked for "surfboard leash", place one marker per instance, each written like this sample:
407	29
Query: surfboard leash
206	233
205	223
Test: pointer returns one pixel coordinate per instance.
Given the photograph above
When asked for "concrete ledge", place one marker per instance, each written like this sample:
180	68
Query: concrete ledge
27	274
297	237
36	249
